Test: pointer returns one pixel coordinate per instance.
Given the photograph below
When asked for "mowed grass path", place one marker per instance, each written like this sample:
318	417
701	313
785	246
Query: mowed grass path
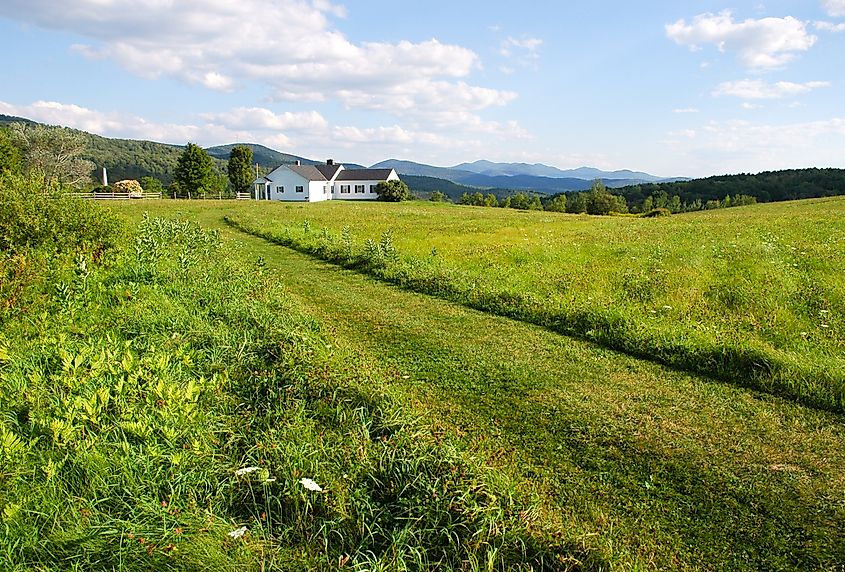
651	468
753	295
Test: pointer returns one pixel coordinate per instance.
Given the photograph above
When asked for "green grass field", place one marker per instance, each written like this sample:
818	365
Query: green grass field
752	295
446	435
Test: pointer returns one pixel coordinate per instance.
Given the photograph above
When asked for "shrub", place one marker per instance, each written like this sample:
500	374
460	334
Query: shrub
655	213
393	191
35	216
130	186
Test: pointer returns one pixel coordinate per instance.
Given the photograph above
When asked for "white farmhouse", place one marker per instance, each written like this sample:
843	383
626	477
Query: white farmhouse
314	183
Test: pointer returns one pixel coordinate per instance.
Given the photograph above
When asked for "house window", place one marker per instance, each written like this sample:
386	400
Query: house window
325	189
300	189
280	189
372	189
359	189
344	189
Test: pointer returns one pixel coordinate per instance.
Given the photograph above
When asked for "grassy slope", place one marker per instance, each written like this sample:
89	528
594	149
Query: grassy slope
136	381
750	294
645	466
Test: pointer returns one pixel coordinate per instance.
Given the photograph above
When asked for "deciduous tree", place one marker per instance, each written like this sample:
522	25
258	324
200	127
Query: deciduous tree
393	191
10	155
56	152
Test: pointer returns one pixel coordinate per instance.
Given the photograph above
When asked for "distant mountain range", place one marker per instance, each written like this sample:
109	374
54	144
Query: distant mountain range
522	176
128	158
265	157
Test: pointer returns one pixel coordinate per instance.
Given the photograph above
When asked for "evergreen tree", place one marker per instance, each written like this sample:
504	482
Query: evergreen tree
194	171
240	169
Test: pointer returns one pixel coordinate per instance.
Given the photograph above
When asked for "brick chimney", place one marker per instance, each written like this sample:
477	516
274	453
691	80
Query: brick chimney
329	161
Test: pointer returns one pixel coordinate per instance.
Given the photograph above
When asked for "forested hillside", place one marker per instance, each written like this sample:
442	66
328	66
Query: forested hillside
769	186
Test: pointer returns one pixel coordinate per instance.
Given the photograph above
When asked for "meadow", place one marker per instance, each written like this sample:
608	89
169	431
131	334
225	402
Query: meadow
751	295
164	407
178	394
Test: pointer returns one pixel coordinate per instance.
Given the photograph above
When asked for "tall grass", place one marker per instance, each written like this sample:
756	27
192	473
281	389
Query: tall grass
753	295
165	408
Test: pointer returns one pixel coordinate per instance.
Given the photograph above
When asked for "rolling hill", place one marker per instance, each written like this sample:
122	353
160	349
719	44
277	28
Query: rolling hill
521	176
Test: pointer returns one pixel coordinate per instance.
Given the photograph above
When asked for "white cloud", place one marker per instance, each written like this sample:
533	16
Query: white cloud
830	27
291	48
260	119
745	146
834	8
751	106
244	125
304	133
686	110
523	51
759	89
761	44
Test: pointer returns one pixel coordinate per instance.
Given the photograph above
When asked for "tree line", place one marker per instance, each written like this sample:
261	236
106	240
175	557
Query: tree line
768	186
60	156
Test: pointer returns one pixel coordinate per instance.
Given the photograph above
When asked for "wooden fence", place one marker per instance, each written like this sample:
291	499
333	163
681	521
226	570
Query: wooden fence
116	196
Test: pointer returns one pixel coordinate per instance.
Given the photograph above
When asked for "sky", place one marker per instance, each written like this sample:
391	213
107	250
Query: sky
672	88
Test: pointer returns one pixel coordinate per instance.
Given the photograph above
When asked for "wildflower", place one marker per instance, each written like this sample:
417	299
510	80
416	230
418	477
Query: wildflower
311	485
825	326
270	480
667	307
246	471
238	532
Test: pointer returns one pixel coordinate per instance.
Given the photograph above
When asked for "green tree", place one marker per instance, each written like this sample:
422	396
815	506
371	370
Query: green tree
437	197
557	204
240	169
194	171
491	201
151	185
505	203
600	201
576	203
675	204
10	155
54	152
520	201
466	199
536	204
393	191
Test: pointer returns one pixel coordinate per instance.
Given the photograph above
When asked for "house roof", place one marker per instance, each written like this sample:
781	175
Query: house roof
364	174
309	172
328	171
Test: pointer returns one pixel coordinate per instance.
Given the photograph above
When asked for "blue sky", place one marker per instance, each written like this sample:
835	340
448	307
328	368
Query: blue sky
675	89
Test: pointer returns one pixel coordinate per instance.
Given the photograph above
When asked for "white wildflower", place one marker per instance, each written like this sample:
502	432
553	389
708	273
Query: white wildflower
270	480
238	532
311	485
246	471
